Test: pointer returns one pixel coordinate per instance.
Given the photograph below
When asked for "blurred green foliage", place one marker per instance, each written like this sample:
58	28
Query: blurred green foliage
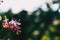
33	27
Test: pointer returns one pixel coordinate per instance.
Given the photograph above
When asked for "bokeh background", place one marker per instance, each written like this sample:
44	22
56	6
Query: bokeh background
37	25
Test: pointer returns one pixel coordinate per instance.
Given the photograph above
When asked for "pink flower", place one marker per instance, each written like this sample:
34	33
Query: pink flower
13	24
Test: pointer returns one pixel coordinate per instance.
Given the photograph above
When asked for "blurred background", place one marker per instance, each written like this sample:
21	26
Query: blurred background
40	24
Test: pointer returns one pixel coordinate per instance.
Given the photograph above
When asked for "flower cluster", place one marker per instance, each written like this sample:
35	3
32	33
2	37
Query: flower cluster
13	24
